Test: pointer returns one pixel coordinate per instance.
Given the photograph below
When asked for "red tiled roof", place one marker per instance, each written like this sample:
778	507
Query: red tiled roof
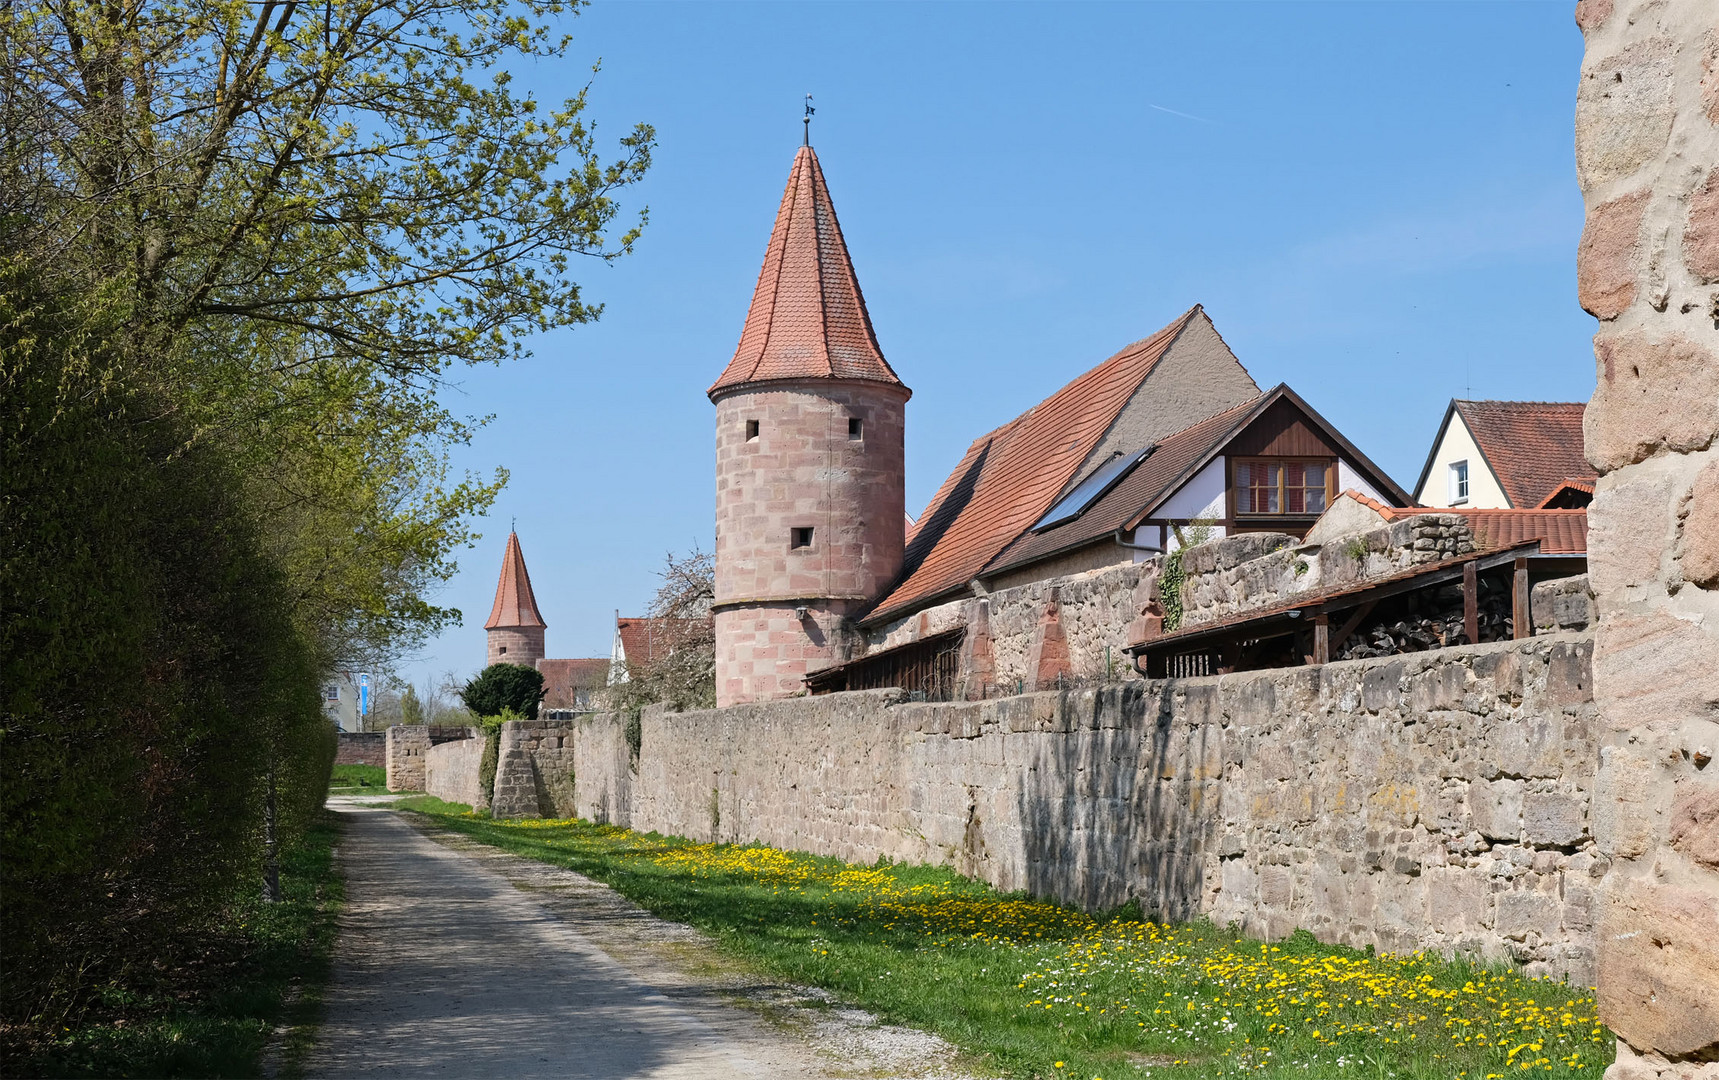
1573	484
1010	477
514	603
1140	490
808	318
1532	446
563	678
1560	532
645	640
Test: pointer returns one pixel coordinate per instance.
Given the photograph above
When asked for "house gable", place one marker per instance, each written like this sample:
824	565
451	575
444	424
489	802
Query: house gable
1454	444
1008	479
1190	477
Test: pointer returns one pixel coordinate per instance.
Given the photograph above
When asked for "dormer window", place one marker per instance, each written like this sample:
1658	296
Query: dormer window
1280	486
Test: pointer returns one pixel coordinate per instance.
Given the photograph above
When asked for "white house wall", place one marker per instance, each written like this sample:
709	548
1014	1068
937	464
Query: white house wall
1200	497
1458	445
1348	478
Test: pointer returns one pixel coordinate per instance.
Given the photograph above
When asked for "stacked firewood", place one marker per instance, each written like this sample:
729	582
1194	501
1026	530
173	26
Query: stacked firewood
1429	620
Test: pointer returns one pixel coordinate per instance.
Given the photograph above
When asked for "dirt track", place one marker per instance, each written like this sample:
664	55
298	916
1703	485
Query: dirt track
456	959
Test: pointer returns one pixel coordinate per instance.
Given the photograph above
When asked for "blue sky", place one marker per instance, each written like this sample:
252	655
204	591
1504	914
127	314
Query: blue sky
1376	203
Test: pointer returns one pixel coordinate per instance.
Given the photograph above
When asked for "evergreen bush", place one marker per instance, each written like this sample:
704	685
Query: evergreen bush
502	687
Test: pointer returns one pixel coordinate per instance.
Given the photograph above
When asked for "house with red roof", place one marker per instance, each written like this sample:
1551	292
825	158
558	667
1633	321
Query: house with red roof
1270	463
1507	455
816	559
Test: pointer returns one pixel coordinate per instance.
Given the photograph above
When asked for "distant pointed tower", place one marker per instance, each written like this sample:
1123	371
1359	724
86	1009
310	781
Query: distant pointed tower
810	511
515	628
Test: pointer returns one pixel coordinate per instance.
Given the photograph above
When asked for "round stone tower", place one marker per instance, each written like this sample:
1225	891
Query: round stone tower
514	627
810	473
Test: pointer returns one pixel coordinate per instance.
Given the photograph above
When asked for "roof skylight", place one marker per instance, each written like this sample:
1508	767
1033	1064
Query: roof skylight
1090	490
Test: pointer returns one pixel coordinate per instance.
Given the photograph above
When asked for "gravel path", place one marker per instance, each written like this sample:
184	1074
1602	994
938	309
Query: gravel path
457	959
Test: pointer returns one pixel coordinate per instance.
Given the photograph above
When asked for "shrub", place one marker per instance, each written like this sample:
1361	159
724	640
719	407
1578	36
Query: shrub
153	684
503	687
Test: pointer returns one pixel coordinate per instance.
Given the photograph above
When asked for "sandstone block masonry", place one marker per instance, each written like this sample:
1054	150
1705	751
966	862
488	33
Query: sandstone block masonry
361	748
534	769
453	772
1647	157
1440	800
406	749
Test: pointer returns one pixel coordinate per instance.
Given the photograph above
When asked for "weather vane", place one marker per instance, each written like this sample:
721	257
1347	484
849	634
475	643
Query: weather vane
808	119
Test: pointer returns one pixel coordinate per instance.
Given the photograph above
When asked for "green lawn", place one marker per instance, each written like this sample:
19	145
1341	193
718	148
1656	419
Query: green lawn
358	780
1049	991
213	1017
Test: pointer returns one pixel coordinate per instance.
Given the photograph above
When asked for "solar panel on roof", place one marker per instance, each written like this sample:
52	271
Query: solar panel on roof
1090	490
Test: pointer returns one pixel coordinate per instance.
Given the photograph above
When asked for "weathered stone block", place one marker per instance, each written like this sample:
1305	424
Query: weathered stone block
1654	391
1624	110
1699	533
1606	259
1654	668
1521	913
1495	808
1554	819
1570	673
1458	901
1630	530
1629	802
1695	824
1701	232
1380	687
1659	966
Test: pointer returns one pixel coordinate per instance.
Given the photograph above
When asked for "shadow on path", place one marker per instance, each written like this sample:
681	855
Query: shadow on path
463	961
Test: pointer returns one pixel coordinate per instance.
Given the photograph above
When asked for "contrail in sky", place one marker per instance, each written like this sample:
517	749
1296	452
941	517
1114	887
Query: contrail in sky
1173	112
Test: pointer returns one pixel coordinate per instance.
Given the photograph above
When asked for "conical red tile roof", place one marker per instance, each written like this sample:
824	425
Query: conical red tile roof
514	603
808	318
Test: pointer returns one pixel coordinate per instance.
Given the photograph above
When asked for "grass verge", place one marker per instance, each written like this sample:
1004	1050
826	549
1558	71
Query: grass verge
429	804
1053	992
265	969
358	780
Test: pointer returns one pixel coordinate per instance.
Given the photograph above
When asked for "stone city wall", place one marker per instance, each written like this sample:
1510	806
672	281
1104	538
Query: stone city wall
451	772
1094	611
1086	619
406	749
361	748
1437	800
534	769
1647	267
1255	570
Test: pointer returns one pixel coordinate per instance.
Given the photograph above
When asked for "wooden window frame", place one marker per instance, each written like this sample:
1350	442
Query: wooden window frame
1236	503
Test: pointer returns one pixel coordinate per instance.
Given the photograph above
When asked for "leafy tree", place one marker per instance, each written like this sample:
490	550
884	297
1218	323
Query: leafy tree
411	709
502	687
682	668
303	216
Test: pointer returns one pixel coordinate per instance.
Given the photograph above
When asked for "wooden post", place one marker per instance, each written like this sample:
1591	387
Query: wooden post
1471	602
1321	638
1521	619
1229	657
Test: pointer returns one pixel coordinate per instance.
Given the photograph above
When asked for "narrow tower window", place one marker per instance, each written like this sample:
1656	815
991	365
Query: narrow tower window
502	651
856	428
751	430
802	538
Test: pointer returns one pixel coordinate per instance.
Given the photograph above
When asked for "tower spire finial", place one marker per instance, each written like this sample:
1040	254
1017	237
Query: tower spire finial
808	121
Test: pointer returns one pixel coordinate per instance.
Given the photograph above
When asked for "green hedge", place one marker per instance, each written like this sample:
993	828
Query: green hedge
151	677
